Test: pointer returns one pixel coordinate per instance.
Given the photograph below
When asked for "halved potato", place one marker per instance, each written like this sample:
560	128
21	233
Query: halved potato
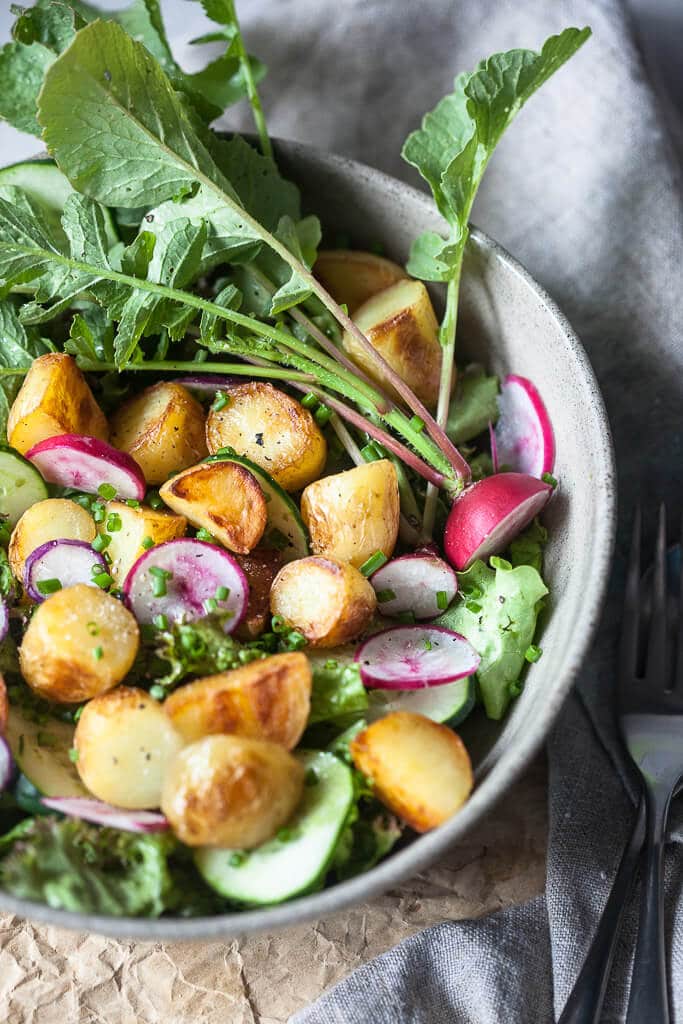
271	429
420	770
137	525
400	323
162	428
265	700
231	791
79	643
352	276
125	744
52	519
223	498
326	600
260	566
54	399
352	515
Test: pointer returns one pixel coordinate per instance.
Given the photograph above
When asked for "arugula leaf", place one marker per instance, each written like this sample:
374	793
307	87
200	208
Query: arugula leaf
202	648
497	610
473	406
53	24
337	691
19	348
22	69
302	239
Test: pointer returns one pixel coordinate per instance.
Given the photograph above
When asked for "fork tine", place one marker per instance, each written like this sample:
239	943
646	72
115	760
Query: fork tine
657	641
628	651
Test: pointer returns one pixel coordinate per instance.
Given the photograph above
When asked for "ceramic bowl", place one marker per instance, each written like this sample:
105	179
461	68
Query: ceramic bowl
509	323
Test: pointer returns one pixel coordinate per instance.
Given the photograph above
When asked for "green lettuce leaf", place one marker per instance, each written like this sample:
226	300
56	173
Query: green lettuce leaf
473	406
527	549
337	691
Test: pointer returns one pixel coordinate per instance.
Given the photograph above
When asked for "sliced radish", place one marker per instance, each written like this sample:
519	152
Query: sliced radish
8	768
4	620
410	657
69	561
524	437
205	385
99	813
87	464
192	572
489	514
421	583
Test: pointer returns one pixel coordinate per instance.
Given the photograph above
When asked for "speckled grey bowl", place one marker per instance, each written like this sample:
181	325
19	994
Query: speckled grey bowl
509	323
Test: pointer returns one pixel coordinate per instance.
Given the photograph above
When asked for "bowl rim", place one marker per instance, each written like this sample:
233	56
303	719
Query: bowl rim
425	849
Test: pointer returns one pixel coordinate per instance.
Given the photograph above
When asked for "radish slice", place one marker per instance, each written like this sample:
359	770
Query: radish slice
69	561
99	813
489	514
524	437
196	570
87	463
4	620
8	768
205	385
420	583
410	657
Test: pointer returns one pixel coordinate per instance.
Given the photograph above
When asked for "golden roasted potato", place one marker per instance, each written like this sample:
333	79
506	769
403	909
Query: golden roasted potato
260	566
231	791
352	515
271	429
162	428
125	743
328	601
352	276
79	643
52	519
400	323
137	525
421	770
4	705
223	498
264	700
54	399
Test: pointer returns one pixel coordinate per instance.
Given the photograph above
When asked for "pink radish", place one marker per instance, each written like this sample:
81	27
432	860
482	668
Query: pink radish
410	657
489	514
69	561
524	439
187	576
8	768
4	620
421	583
100	813
89	465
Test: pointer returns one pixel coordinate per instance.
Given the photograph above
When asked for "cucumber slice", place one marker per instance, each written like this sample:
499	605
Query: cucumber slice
42	181
21	485
285	527
450	702
276	870
42	753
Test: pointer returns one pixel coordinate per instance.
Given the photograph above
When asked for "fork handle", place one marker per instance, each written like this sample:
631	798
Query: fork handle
584	1004
649	996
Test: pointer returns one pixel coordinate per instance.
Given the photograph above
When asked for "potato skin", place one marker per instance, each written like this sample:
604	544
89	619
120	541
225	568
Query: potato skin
353	514
326	600
57	656
273	430
263	700
260	566
52	519
125	743
352	276
400	324
421	770
54	399
162	428
224	498
137	524
231	791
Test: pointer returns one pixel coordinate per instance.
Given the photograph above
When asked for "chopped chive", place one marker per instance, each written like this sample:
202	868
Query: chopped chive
237	859
373	563
78	712
294	641
210	605
227	450
548	478
157	692
309	401
385	595
533	653
46	587
222	593
417	424
146	543
441	600
132	503
220	401
101	541
331	664
369	454
473	607
114	523
103	580
427	643
73	755
322	415
93	628
311	777
161	621
155	501
200	356
406	618
277	624
97	653
106	491
203	534
159	578
98	515
285	834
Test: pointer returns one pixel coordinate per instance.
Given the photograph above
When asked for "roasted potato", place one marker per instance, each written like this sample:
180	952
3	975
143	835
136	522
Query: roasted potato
264	700
421	770
352	276
231	791
223	498
79	643
4	705
260	566
162	428
328	601
400	323
54	399
52	519
125	744
271	429
352	515
137	525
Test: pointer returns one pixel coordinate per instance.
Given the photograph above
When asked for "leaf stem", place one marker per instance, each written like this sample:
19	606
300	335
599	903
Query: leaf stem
252	91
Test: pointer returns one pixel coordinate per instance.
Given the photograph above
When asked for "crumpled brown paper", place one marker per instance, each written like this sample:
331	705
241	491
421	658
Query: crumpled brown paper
51	976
